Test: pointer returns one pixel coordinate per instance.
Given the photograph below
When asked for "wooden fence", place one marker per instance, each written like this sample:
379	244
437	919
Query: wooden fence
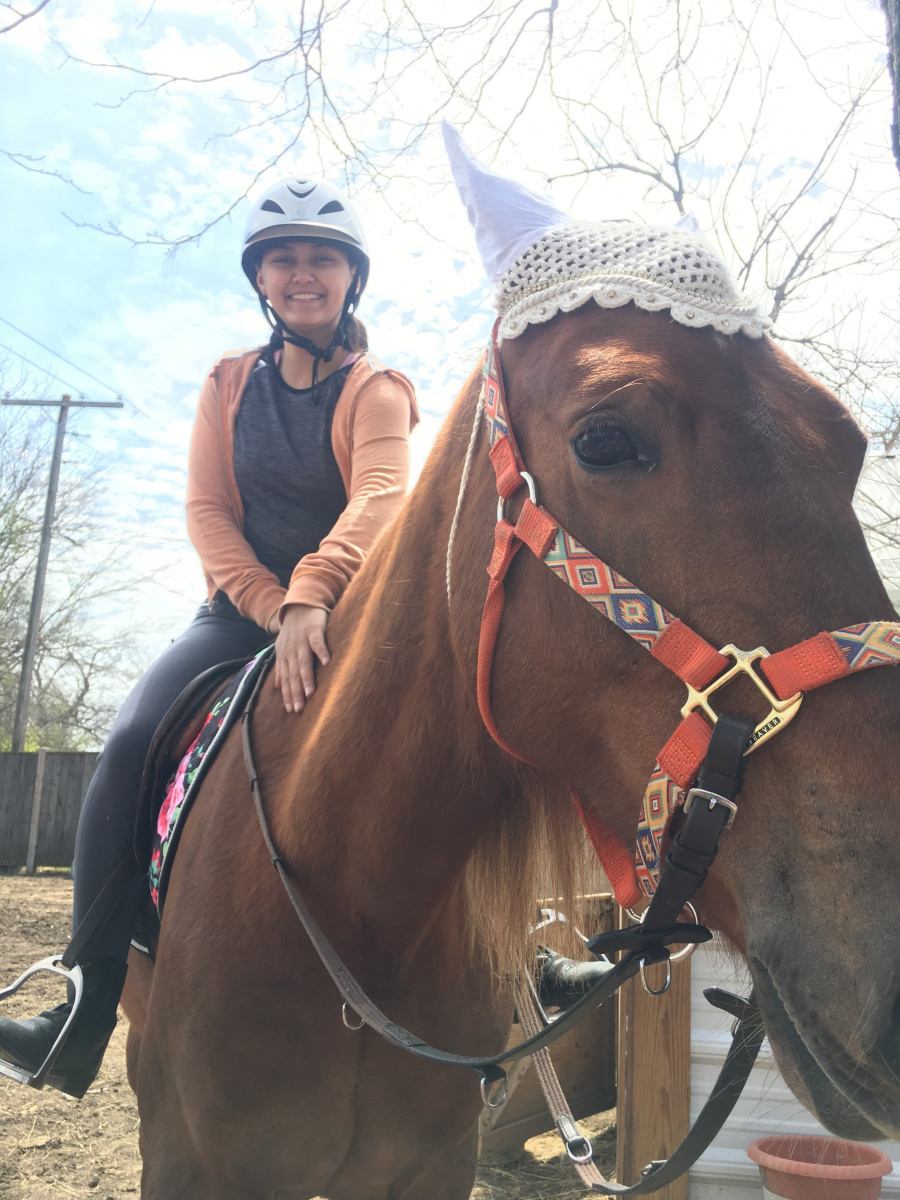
40	799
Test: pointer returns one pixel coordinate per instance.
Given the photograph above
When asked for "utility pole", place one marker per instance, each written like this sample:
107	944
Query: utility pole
37	596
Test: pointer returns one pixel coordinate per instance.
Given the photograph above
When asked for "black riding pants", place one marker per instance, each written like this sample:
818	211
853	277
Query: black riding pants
106	825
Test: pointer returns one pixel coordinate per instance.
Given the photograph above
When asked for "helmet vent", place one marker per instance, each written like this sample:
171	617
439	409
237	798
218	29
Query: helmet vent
301	195
272	206
330	207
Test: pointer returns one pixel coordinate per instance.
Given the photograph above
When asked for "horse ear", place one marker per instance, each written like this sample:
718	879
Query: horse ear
506	216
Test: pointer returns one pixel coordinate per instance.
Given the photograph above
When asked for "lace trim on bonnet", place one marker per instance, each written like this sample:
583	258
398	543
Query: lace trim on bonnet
622	262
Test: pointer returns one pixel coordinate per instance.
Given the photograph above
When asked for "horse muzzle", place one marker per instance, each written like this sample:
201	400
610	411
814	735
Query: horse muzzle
851	1086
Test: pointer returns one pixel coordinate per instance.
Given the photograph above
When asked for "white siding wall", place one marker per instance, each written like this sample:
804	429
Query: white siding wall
766	1107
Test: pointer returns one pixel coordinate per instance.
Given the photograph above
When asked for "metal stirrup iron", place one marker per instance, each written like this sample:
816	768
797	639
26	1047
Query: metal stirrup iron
72	975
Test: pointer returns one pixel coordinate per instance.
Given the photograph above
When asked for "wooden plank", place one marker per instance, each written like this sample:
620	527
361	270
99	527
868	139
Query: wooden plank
65	784
61	798
65	780
654	1075
36	799
16	793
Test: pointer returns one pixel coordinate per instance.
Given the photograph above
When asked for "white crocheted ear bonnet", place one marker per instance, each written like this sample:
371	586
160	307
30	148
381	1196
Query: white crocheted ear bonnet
544	263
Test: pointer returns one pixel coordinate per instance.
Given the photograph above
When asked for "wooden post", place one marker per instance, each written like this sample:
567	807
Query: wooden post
20	723
654	1077
31	855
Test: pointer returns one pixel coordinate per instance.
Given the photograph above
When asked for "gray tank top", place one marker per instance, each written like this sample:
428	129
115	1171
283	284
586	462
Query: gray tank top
286	472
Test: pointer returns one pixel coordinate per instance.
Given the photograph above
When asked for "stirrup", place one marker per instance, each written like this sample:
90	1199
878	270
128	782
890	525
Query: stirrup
73	975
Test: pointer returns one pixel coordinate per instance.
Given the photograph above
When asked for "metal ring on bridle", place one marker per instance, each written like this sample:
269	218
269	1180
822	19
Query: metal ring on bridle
345	1011
665	987
685	952
532	495
690	947
587	1150
502	1093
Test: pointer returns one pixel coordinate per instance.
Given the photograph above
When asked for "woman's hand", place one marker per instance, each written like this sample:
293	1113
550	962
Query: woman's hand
300	641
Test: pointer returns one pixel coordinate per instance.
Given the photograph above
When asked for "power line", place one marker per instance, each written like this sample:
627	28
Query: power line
140	437
117	392
74	386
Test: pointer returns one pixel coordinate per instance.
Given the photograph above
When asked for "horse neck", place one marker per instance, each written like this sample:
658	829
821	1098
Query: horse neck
395	777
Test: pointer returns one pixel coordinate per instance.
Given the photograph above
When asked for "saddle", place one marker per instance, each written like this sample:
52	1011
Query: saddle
183	749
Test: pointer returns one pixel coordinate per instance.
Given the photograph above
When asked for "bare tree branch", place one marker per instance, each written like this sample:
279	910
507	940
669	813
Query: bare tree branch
28	162
20	17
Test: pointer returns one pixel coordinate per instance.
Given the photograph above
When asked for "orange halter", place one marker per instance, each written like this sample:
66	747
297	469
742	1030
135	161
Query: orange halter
782	678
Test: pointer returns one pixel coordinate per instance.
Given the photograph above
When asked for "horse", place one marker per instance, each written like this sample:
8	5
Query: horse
420	845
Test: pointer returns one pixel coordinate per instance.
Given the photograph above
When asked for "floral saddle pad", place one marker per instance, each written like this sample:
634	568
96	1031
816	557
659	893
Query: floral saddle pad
196	761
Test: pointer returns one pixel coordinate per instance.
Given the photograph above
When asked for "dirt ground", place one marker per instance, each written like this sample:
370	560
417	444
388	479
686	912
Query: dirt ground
53	1146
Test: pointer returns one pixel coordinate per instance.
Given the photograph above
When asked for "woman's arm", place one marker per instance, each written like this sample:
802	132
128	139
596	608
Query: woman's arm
212	521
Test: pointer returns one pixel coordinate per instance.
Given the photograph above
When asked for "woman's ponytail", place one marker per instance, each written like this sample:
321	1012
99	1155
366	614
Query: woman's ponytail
356	339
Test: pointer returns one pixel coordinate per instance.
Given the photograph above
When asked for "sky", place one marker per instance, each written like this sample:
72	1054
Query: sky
118	164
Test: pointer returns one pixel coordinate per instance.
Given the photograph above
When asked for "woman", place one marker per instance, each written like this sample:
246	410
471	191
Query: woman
299	458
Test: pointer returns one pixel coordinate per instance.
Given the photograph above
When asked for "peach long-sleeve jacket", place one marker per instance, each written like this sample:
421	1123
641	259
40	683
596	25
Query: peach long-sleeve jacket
373	418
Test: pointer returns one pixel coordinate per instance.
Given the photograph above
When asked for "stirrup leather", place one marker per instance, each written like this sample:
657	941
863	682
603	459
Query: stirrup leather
73	975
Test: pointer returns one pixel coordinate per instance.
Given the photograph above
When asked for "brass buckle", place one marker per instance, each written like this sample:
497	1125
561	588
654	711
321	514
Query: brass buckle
781	712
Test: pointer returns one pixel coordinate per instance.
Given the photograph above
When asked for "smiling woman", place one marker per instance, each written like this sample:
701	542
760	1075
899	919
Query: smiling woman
299	459
309	282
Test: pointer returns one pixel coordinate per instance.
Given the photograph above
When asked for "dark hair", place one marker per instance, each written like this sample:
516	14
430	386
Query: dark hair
357	340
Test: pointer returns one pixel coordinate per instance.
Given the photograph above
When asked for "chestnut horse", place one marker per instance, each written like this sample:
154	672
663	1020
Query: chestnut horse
414	838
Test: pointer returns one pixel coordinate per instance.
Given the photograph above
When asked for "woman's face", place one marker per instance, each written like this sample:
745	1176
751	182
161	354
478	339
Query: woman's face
305	283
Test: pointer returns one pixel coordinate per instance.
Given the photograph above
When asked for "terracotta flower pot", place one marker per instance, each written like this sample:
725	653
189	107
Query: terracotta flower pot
819	1168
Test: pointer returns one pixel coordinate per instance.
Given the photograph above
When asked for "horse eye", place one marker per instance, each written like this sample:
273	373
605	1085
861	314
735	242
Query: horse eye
604	446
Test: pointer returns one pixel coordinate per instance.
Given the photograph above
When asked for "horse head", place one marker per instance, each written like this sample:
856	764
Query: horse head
672	439
719	477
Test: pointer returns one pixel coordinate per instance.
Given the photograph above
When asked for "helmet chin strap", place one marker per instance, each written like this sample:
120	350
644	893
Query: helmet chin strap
317	353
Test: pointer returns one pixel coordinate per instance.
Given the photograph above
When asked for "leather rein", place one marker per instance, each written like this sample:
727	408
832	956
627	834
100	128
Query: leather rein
700	769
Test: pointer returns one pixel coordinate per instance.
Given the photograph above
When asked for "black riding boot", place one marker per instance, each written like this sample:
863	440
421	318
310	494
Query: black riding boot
562	981
27	1043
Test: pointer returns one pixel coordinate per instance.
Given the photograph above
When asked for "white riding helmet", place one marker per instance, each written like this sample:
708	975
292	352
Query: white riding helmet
302	208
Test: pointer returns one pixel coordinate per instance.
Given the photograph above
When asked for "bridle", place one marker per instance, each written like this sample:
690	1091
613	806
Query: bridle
782	678
700	769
